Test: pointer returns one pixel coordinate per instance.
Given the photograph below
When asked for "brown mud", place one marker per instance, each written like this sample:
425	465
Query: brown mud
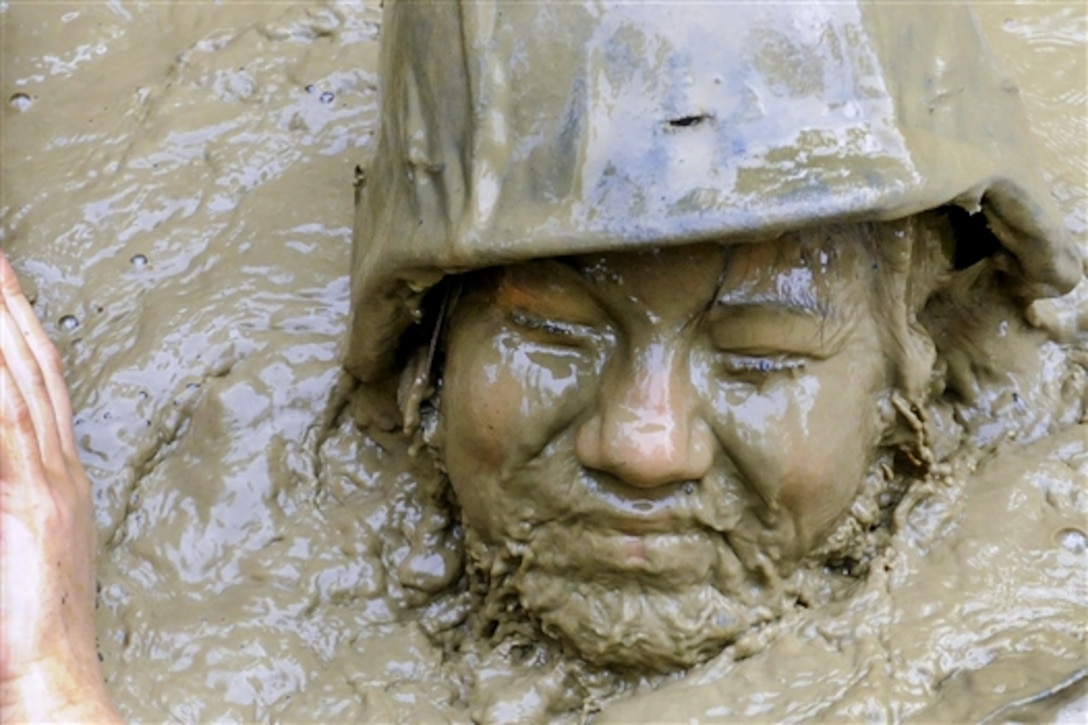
177	199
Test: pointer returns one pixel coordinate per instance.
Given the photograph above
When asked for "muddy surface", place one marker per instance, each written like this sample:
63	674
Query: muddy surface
177	197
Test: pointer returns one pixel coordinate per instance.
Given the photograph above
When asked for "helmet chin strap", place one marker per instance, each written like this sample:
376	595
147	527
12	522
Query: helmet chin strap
421	378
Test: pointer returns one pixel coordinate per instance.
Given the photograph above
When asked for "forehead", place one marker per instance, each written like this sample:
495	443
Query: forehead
805	271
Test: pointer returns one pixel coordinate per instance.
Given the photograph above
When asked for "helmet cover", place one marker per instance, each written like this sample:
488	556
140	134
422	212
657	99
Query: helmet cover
520	130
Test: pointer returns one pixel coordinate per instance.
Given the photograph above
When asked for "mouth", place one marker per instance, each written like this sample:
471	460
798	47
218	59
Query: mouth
636	523
610	505
655	541
654	560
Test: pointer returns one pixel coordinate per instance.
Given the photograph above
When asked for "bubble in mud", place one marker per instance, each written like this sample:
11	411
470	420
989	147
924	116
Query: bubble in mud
1072	539
327	97
68	323
138	261
19	101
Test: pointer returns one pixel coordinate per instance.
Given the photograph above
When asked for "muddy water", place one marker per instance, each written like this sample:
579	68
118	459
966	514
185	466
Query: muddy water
176	195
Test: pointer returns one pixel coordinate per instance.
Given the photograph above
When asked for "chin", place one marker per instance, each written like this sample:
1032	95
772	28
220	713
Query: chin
626	620
630	627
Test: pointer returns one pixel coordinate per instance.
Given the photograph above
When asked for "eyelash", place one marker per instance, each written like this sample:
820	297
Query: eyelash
761	366
567	334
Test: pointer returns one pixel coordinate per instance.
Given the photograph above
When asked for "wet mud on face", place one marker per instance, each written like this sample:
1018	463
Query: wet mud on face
177	199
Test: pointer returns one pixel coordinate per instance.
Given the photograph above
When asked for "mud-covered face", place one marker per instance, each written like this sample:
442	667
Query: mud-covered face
642	443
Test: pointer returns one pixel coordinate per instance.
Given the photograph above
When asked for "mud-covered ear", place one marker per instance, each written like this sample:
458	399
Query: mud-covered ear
1039	256
981	329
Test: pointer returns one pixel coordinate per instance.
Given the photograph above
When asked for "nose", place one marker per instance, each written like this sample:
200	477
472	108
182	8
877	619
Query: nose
646	429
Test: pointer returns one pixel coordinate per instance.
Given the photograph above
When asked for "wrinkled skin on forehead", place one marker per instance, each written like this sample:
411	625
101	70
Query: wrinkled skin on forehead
645	444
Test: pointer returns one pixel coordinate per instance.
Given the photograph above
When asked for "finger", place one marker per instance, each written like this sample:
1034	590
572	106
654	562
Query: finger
30	385
20	460
45	354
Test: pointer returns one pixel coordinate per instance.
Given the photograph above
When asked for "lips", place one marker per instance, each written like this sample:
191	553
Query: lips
596	526
658	560
610	505
664	521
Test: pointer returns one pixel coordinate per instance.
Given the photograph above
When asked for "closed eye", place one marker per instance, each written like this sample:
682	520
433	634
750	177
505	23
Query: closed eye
760	331
746	365
552	331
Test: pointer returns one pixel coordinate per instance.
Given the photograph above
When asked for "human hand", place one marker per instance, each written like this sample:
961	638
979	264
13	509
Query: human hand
49	669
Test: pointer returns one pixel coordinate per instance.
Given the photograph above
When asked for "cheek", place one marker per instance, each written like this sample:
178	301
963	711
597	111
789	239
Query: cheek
480	407
803	444
828	458
819	480
503	402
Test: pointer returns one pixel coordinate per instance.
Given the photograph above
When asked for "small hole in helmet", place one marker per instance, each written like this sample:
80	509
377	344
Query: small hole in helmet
688	121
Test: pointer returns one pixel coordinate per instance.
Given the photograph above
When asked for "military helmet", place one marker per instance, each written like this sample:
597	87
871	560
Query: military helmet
519	129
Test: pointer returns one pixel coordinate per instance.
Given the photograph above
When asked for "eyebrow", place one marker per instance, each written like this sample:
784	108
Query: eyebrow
739	300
